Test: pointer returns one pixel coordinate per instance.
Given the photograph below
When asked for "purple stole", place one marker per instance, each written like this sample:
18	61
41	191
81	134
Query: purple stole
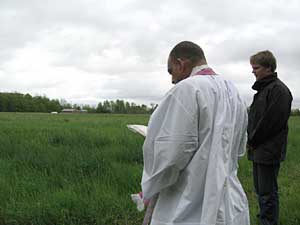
206	71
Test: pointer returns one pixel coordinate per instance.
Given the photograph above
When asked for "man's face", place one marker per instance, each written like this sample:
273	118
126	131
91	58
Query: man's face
173	70
178	69
260	72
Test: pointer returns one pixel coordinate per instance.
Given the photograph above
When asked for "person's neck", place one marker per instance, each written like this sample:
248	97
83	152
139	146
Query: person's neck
200	63
265	76
198	67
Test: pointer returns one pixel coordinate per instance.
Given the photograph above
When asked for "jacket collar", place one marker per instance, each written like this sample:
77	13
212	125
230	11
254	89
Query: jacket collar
261	84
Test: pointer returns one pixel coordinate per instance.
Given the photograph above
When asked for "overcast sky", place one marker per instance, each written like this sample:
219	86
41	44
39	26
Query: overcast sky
86	51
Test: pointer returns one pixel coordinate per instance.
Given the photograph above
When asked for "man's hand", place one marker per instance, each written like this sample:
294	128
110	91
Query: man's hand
249	148
146	201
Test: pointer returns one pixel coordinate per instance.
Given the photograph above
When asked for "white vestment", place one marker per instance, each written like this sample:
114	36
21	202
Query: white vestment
191	151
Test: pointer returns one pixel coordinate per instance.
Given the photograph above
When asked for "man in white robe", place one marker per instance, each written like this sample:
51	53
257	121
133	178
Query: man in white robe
194	140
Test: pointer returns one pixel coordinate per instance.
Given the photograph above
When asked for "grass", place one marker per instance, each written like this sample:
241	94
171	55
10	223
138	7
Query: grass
81	169
289	180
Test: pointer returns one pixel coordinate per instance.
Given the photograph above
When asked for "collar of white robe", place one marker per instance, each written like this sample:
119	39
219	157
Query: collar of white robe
202	70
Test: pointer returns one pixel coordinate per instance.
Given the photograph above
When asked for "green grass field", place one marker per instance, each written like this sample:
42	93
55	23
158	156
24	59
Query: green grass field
81	169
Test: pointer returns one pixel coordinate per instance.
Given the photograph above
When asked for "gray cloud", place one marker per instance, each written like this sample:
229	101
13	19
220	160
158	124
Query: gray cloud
86	51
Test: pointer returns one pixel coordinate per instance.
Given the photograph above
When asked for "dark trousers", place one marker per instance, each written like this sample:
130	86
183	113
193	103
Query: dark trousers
266	187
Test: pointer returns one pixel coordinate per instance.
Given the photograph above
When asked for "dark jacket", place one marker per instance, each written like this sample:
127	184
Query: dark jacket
268	121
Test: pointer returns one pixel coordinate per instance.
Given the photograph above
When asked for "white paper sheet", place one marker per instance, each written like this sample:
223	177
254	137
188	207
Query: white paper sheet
141	129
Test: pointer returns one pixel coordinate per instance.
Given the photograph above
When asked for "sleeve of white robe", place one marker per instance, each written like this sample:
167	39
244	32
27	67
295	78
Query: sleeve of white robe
171	141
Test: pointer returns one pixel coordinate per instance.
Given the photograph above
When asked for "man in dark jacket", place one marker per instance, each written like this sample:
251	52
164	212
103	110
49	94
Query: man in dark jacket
267	133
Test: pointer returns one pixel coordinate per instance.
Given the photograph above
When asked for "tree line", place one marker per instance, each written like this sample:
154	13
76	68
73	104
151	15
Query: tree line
17	102
121	106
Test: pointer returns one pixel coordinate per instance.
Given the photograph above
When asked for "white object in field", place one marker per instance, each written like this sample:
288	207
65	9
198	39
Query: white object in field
136	198
141	129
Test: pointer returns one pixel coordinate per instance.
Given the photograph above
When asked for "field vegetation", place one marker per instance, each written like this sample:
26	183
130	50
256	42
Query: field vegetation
81	169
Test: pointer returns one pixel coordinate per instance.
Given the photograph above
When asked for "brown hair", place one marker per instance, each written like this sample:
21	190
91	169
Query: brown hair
188	50
265	59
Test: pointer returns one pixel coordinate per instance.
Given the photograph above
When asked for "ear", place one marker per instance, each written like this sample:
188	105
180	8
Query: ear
181	64
185	66
269	69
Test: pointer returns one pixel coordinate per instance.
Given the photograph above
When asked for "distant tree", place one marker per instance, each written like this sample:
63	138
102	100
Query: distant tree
16	102
127	107
75	106
295	112
54	106
64	104
28	103
89	109
11	105
100	108
107	107
121	106
3	102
